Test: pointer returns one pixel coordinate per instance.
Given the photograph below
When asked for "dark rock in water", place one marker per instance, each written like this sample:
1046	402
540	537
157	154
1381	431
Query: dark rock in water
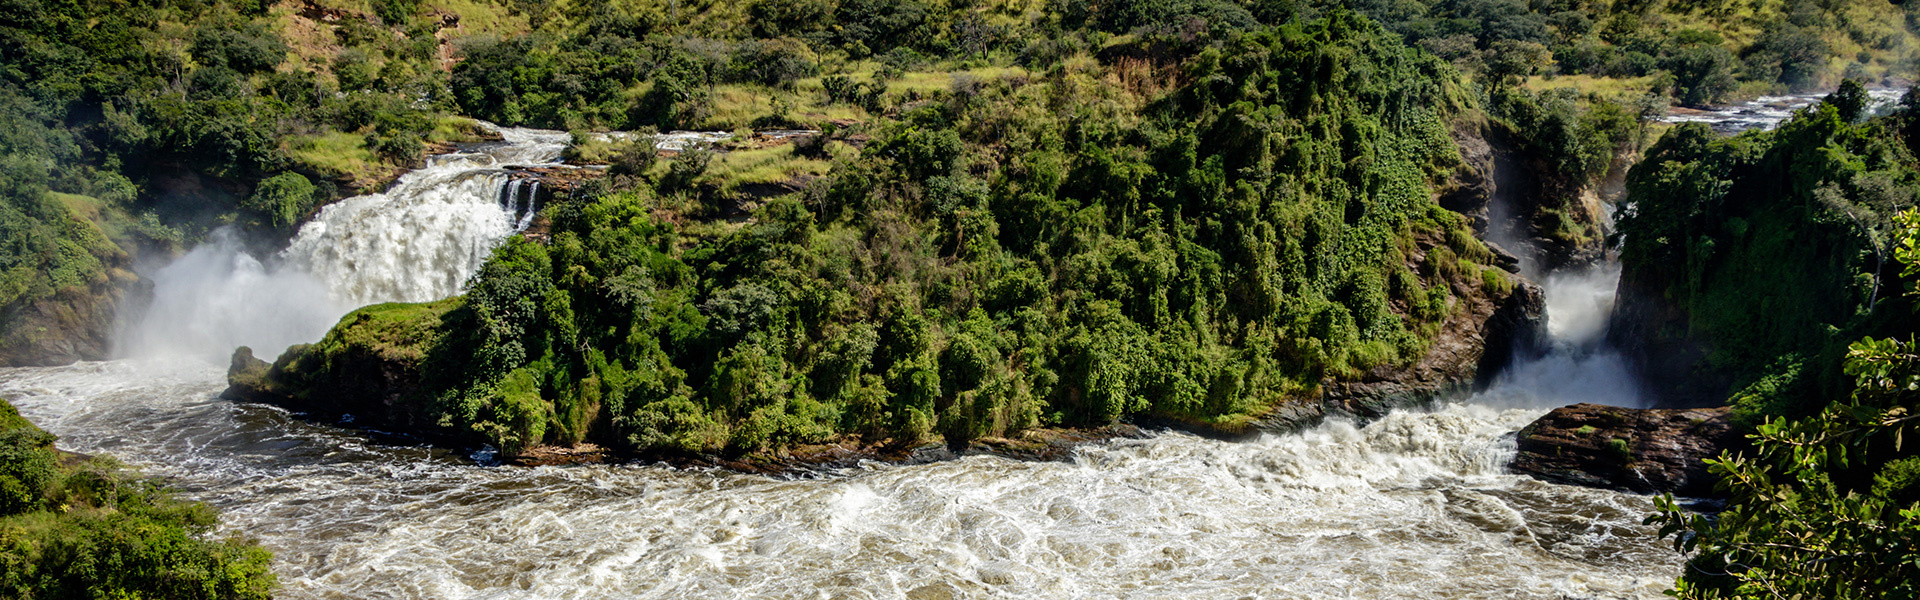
247	377
1646	451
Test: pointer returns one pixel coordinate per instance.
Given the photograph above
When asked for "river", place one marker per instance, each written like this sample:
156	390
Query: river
1417	504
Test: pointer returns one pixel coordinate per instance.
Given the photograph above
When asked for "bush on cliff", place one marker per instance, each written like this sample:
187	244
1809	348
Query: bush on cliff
1063	252
1830	507
1774	245
84	528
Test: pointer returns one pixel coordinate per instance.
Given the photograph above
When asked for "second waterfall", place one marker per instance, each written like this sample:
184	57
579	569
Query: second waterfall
417	241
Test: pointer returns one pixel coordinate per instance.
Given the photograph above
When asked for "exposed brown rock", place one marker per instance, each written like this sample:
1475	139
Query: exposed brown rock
1646	451
1482	336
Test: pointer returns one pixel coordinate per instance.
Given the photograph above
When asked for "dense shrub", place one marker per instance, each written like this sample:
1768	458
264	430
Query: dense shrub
282	199
93	531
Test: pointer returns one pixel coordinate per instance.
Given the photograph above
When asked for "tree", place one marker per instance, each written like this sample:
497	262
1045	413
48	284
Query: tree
1703	74
1830	506
1850	100
1511	60
282	199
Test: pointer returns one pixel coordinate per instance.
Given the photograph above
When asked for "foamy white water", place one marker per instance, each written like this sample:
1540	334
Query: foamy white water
1415	505
420	240
415	242
1579	366
1767	112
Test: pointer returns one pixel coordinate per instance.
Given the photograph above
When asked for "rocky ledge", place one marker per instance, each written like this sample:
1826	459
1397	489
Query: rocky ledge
1645	451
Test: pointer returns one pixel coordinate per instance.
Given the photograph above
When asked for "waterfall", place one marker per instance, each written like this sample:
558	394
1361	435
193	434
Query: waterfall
533	204
1578	366
510	197
415	242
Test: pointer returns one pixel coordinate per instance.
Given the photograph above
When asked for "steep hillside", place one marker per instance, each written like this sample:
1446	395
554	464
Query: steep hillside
1752	261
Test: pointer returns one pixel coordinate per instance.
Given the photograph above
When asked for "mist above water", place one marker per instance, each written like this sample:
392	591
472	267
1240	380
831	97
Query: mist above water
217	297
417	241
1579	303
1577	366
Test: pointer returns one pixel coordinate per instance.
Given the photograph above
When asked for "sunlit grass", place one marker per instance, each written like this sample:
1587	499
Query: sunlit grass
477	18
455	129
1607	87
730	170
335	153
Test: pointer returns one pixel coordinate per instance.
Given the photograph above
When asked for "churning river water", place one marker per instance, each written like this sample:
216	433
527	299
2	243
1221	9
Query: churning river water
1414	505
1417	504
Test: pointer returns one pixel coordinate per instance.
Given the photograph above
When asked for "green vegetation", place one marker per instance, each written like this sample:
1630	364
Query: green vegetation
1006	254
84	528
135	127
170	114
1830	507
1775	245
1698	52
1793	255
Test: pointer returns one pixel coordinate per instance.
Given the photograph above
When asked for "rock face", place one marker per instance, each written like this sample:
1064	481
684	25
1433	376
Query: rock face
72	325
1646	451
1514	197
366	372
1653	334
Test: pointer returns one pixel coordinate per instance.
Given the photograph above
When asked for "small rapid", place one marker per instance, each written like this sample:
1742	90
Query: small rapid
1767	112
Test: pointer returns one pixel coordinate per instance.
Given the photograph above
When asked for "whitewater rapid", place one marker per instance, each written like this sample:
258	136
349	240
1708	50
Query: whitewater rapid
1417	504
1414	505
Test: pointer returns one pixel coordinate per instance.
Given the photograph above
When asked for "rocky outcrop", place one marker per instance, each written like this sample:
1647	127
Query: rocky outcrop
367	371
1654	336
1646	451
71	325
1514	198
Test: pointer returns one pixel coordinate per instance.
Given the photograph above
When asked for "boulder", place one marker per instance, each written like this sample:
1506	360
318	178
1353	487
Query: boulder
1646	451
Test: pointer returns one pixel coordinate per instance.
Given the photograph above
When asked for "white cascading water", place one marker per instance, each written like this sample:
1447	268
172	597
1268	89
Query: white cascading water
1417	504
417	241
1579	367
